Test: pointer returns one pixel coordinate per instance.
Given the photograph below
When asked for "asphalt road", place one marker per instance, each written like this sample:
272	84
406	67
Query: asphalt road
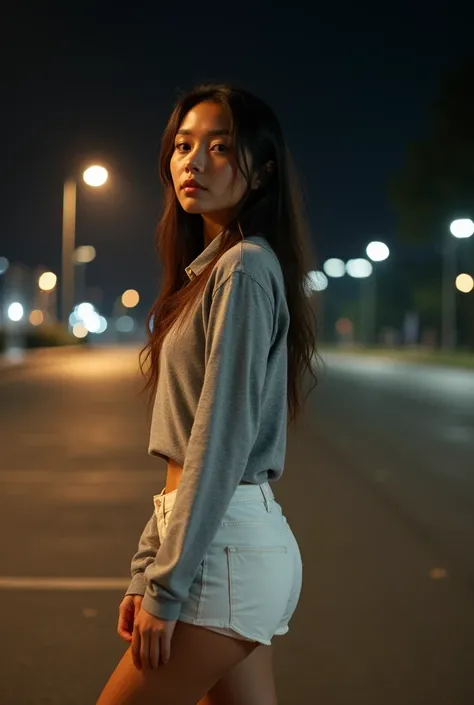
378	487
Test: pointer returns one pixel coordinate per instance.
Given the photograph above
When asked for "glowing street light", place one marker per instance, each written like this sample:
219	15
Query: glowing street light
15	312
464	283
334	267
94	176
359	268
47	281
84	254
461	229
377	251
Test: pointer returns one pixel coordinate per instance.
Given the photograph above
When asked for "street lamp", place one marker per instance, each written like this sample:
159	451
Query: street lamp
461	228
377	252
464	283
93	176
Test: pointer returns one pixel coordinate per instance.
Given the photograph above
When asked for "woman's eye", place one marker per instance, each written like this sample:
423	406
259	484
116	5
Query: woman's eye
182	147
220	148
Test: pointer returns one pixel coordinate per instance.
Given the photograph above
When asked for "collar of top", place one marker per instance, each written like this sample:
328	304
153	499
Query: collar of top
203	259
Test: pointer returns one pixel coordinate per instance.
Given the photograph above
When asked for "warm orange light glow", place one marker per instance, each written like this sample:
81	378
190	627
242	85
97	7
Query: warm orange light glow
36	317
130	298
47	281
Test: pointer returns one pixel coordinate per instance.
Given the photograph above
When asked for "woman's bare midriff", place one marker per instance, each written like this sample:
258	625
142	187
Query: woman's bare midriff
173	475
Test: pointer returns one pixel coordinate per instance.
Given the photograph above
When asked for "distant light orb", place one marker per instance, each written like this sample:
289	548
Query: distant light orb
95	175
80	331
462	228
47	281
15	311
359	268
130	298
464	283
377	251
317	281
84	254
102	325
334	268
91	322
125	324
4	264
36	317
83	310
73	320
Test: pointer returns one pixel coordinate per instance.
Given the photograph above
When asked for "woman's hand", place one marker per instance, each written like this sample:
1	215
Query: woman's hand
128	611
151	640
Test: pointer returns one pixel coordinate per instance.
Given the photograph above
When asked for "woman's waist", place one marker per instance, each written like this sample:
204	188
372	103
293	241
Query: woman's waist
174	473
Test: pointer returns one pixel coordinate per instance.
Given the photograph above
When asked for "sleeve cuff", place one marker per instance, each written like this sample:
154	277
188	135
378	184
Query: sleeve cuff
137	585
161	610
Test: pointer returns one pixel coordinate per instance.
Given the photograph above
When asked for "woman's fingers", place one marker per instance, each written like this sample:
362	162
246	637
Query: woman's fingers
135	648
125	622
155	649
165	645
145	650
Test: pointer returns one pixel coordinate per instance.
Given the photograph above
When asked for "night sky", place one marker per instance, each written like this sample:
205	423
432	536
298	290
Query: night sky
351	85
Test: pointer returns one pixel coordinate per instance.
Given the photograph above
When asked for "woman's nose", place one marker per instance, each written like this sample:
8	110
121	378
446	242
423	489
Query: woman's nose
196	162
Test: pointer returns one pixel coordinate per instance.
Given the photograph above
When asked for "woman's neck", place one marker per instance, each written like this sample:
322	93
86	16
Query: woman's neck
213	223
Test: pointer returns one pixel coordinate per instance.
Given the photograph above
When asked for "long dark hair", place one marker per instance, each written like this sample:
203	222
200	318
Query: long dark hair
273	210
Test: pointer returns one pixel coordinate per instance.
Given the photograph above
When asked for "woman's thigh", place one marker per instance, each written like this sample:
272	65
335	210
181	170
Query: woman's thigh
199	658
251	682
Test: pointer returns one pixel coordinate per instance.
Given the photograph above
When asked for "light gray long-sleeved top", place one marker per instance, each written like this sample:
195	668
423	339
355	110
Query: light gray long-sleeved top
220	411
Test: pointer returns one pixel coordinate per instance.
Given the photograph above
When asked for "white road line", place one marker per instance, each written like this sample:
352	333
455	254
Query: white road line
14	583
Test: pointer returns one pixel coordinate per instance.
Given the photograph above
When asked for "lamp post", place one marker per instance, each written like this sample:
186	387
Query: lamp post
461	228
93	176
362	269
47	295
377	252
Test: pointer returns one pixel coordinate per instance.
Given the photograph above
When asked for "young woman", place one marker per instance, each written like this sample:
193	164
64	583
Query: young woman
218	571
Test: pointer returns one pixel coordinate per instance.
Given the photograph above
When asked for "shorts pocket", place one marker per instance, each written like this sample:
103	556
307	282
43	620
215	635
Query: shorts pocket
259	587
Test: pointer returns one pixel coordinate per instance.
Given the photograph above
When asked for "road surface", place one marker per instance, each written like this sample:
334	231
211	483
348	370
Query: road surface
378	487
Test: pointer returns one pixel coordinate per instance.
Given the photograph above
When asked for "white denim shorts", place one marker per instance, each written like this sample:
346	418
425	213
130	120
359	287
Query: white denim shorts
249	582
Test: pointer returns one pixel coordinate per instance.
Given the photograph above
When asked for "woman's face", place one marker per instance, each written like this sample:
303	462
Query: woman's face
203	166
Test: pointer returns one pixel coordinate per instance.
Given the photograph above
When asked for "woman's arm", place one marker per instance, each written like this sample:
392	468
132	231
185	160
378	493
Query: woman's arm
148	546
239	330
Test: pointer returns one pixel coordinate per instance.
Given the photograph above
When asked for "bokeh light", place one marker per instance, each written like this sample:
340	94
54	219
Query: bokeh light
334	268
36	317
130	298
4	264
464	283
80	331
359	268
102	325
15	311
462	228
316	281
125	324
47	281
84	254
377	251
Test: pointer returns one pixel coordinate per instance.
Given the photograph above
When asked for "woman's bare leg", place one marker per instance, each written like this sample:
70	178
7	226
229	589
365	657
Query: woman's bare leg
199	658
251	682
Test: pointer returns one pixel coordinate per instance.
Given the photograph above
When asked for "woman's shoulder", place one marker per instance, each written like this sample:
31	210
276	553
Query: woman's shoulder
253	256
